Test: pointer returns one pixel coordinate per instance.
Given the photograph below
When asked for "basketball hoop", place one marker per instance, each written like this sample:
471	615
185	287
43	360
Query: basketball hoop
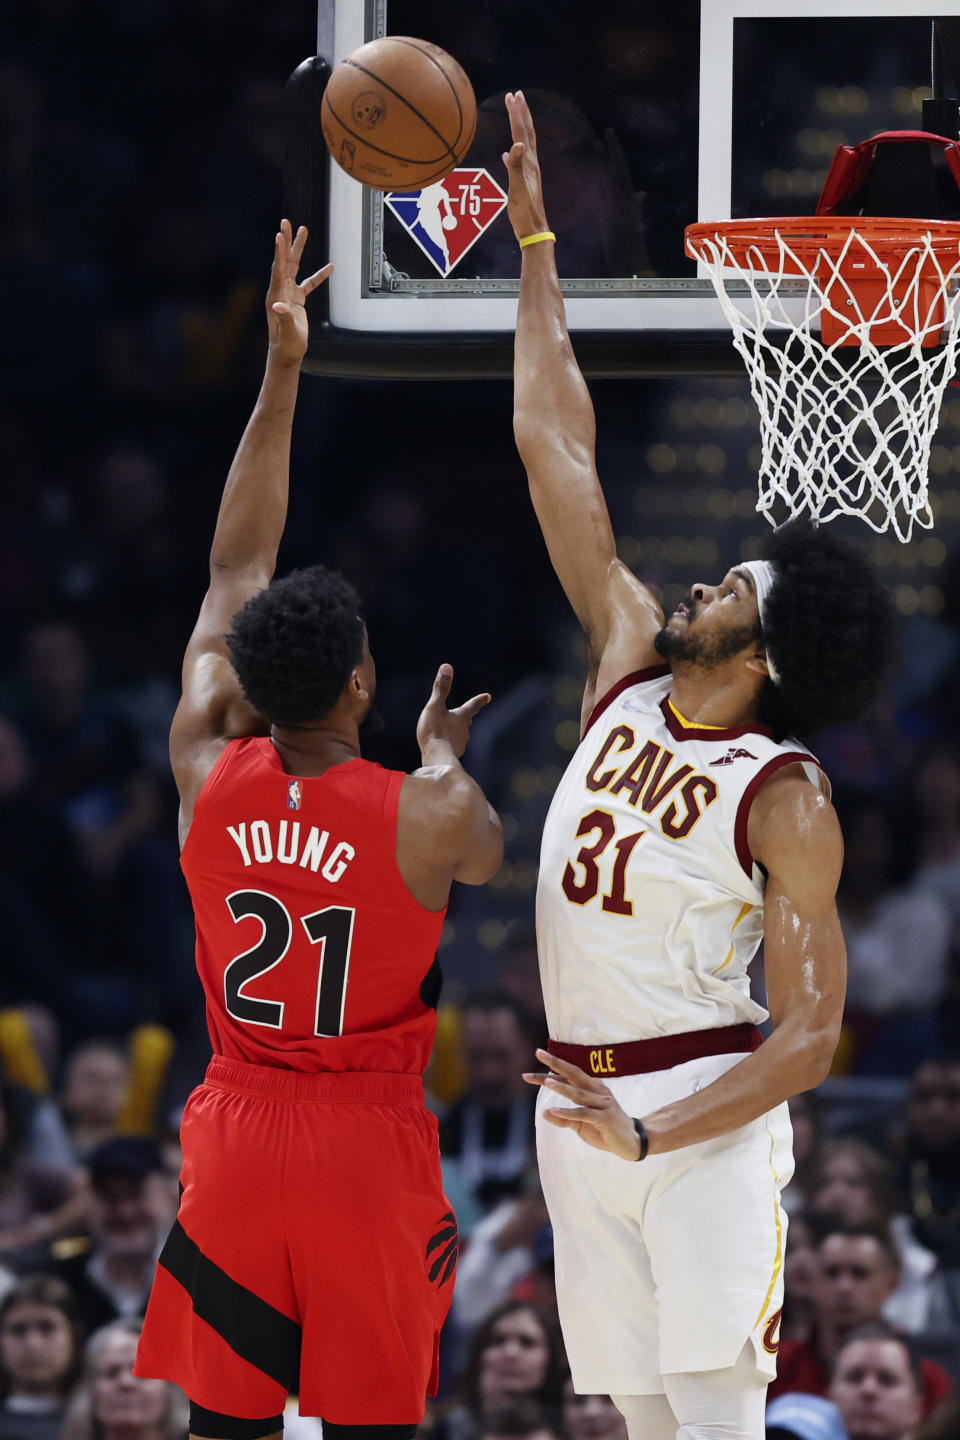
849	327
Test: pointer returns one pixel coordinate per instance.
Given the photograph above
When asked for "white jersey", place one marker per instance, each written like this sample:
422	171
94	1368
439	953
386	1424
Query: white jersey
649	903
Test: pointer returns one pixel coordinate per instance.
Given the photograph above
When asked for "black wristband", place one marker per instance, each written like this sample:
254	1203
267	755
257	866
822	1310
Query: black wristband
641	1130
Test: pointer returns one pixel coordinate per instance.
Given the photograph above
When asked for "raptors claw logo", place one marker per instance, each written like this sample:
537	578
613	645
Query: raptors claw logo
442	1251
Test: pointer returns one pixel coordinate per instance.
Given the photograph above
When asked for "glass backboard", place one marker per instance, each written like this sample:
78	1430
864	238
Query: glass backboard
650	114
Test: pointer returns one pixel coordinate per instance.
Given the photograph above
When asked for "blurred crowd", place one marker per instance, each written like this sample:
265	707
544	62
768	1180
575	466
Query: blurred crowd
870	1329
140	181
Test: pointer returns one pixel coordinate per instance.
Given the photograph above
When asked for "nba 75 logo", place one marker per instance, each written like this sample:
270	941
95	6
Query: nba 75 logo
447	218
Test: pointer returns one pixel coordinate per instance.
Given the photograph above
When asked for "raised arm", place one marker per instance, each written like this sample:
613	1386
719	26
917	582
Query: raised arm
793	832
554	426
447	828
253	512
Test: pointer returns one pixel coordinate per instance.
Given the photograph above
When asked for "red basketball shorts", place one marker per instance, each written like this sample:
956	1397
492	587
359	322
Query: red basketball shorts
313	1252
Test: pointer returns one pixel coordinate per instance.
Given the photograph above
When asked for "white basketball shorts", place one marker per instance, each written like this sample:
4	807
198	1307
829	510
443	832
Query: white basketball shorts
671	1264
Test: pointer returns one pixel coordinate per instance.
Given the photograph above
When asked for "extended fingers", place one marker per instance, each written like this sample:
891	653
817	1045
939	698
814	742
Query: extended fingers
568	1071
472	707
571	1117
441	686
513	157
593	1099
317	278
521	121
296	249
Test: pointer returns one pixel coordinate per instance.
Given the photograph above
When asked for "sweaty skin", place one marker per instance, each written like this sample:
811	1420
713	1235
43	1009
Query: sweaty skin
793	830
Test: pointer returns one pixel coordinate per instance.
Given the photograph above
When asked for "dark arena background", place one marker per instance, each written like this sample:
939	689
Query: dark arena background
141	182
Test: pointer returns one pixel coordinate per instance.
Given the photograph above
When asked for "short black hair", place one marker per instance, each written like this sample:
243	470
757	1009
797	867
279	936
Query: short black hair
827	1227
828	626
294	644
880	1330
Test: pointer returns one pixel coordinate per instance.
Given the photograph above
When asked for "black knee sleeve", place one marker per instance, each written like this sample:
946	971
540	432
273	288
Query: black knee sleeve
367	1432
212	1425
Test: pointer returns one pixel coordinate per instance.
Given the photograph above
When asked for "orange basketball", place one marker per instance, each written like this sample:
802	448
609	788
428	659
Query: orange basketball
398	113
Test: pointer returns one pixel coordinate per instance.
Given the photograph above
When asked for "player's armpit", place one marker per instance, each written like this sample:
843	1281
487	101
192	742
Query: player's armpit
446	831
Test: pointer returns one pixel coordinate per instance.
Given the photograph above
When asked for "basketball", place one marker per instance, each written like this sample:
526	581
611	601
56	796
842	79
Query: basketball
398	113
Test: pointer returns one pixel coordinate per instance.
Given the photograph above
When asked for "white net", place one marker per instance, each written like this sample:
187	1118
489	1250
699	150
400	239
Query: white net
846	417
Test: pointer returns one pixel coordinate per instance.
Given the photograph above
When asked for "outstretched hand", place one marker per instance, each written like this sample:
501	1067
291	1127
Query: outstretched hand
286	296
451	726
597	1117
525	192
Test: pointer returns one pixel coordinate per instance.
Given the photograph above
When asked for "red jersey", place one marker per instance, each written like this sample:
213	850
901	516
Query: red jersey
312	953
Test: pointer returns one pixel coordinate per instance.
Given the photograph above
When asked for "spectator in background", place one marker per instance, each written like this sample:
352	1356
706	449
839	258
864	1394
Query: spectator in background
944	1423
111	1403
539	1288
591	1417
84	756
123	580
130	1215
500	1254
47	923
799	1278
27	1189
857	1271
29	1050
515	1354
807	1123
95	1085
518	1420
853	1183
929	1186
41	1342
87	764
929	1178
934	808
804	1417
891	1006
877	1386
488	1134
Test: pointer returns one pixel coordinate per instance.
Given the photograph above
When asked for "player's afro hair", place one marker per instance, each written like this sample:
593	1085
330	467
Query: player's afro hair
828	626
294	644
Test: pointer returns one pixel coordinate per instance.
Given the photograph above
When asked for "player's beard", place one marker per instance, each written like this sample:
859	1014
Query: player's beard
706	651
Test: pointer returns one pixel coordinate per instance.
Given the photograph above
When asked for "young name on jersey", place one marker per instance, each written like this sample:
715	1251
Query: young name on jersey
261	843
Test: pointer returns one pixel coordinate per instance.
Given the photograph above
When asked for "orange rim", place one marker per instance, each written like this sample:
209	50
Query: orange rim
809	236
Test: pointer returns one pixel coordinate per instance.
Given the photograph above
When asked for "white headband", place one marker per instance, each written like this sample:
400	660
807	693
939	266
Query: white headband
764	577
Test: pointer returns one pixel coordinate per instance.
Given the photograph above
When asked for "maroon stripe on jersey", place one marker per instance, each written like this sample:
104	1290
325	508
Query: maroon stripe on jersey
638	677
791	757
679	731
662	1052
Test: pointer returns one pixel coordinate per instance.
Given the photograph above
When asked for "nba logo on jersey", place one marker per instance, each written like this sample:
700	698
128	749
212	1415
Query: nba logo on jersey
447	218
294	795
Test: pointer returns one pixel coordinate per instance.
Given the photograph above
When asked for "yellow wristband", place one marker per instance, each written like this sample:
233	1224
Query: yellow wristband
535	239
